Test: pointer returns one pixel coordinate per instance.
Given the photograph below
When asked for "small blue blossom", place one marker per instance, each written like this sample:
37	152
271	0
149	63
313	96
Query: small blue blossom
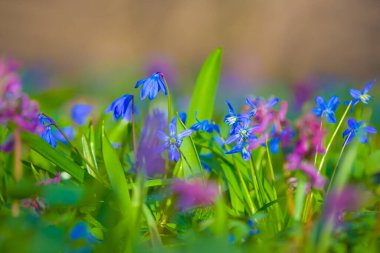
204	126
253	106
357	128
242	148
48	136
68	131
362	96
327	109
121	107
152	85
173	141
233	119
182	117
44	121
242	133
80	113
81	231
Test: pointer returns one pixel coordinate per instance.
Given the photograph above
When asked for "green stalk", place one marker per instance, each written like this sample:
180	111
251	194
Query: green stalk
255	183
247	196
333	137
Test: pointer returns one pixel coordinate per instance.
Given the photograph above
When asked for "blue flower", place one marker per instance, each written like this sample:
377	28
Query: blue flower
44	121
121	107
80	112
242	133
81	231
233	119
182	117
253	106
327	109
204	126
68	131
242	148
362	96
152	85
48	136
173	141
357	128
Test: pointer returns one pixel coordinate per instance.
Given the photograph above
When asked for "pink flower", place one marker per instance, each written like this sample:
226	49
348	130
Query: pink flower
194	193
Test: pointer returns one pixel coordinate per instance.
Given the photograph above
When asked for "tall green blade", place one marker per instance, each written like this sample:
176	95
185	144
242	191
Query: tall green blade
191	164
54	156
115	174
203	98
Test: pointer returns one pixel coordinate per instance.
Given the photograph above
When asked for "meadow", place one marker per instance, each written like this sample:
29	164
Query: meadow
144	171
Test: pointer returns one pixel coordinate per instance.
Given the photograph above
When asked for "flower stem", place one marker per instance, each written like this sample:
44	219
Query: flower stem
333	137
17	169
133	129
336	166
255	183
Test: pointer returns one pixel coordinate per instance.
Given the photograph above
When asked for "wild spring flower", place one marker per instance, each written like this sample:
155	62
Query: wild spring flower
152	85
205	126
363	95
15	107
121	108
173	141
194	193
326	109
356	128
310	139
80	113
148	157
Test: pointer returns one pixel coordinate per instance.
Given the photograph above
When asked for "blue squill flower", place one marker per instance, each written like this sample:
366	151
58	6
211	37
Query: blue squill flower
173	141
121	107
152	85
363	95
232	119
242	133
327	109
68	131
356	128
81	231
182	116
204	126
48	136
242	148
80	113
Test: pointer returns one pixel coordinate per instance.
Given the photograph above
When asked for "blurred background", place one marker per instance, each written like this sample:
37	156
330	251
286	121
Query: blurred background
264	41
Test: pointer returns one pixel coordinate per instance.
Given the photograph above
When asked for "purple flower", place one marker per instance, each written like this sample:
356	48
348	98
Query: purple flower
173	141
148	157
15	106
55	180
340	201
194	193
121	107
80	113
357	129
327	109
363	95
152	85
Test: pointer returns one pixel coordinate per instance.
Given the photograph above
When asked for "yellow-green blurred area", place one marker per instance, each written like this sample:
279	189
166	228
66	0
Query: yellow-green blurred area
262	40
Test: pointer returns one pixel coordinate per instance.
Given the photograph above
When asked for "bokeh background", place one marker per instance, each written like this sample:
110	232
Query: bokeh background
291	41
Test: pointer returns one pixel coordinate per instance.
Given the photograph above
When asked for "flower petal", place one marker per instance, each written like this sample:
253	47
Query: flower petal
355	93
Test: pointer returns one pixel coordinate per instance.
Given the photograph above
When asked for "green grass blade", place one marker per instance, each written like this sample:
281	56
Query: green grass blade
115	174
203	98
44	149
191	164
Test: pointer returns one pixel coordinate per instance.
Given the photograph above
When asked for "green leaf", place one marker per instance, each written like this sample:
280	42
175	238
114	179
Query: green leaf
54	156
190	162
203	98
115	174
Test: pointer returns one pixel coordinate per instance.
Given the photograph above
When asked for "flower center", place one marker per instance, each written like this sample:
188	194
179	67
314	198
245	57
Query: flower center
173	140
